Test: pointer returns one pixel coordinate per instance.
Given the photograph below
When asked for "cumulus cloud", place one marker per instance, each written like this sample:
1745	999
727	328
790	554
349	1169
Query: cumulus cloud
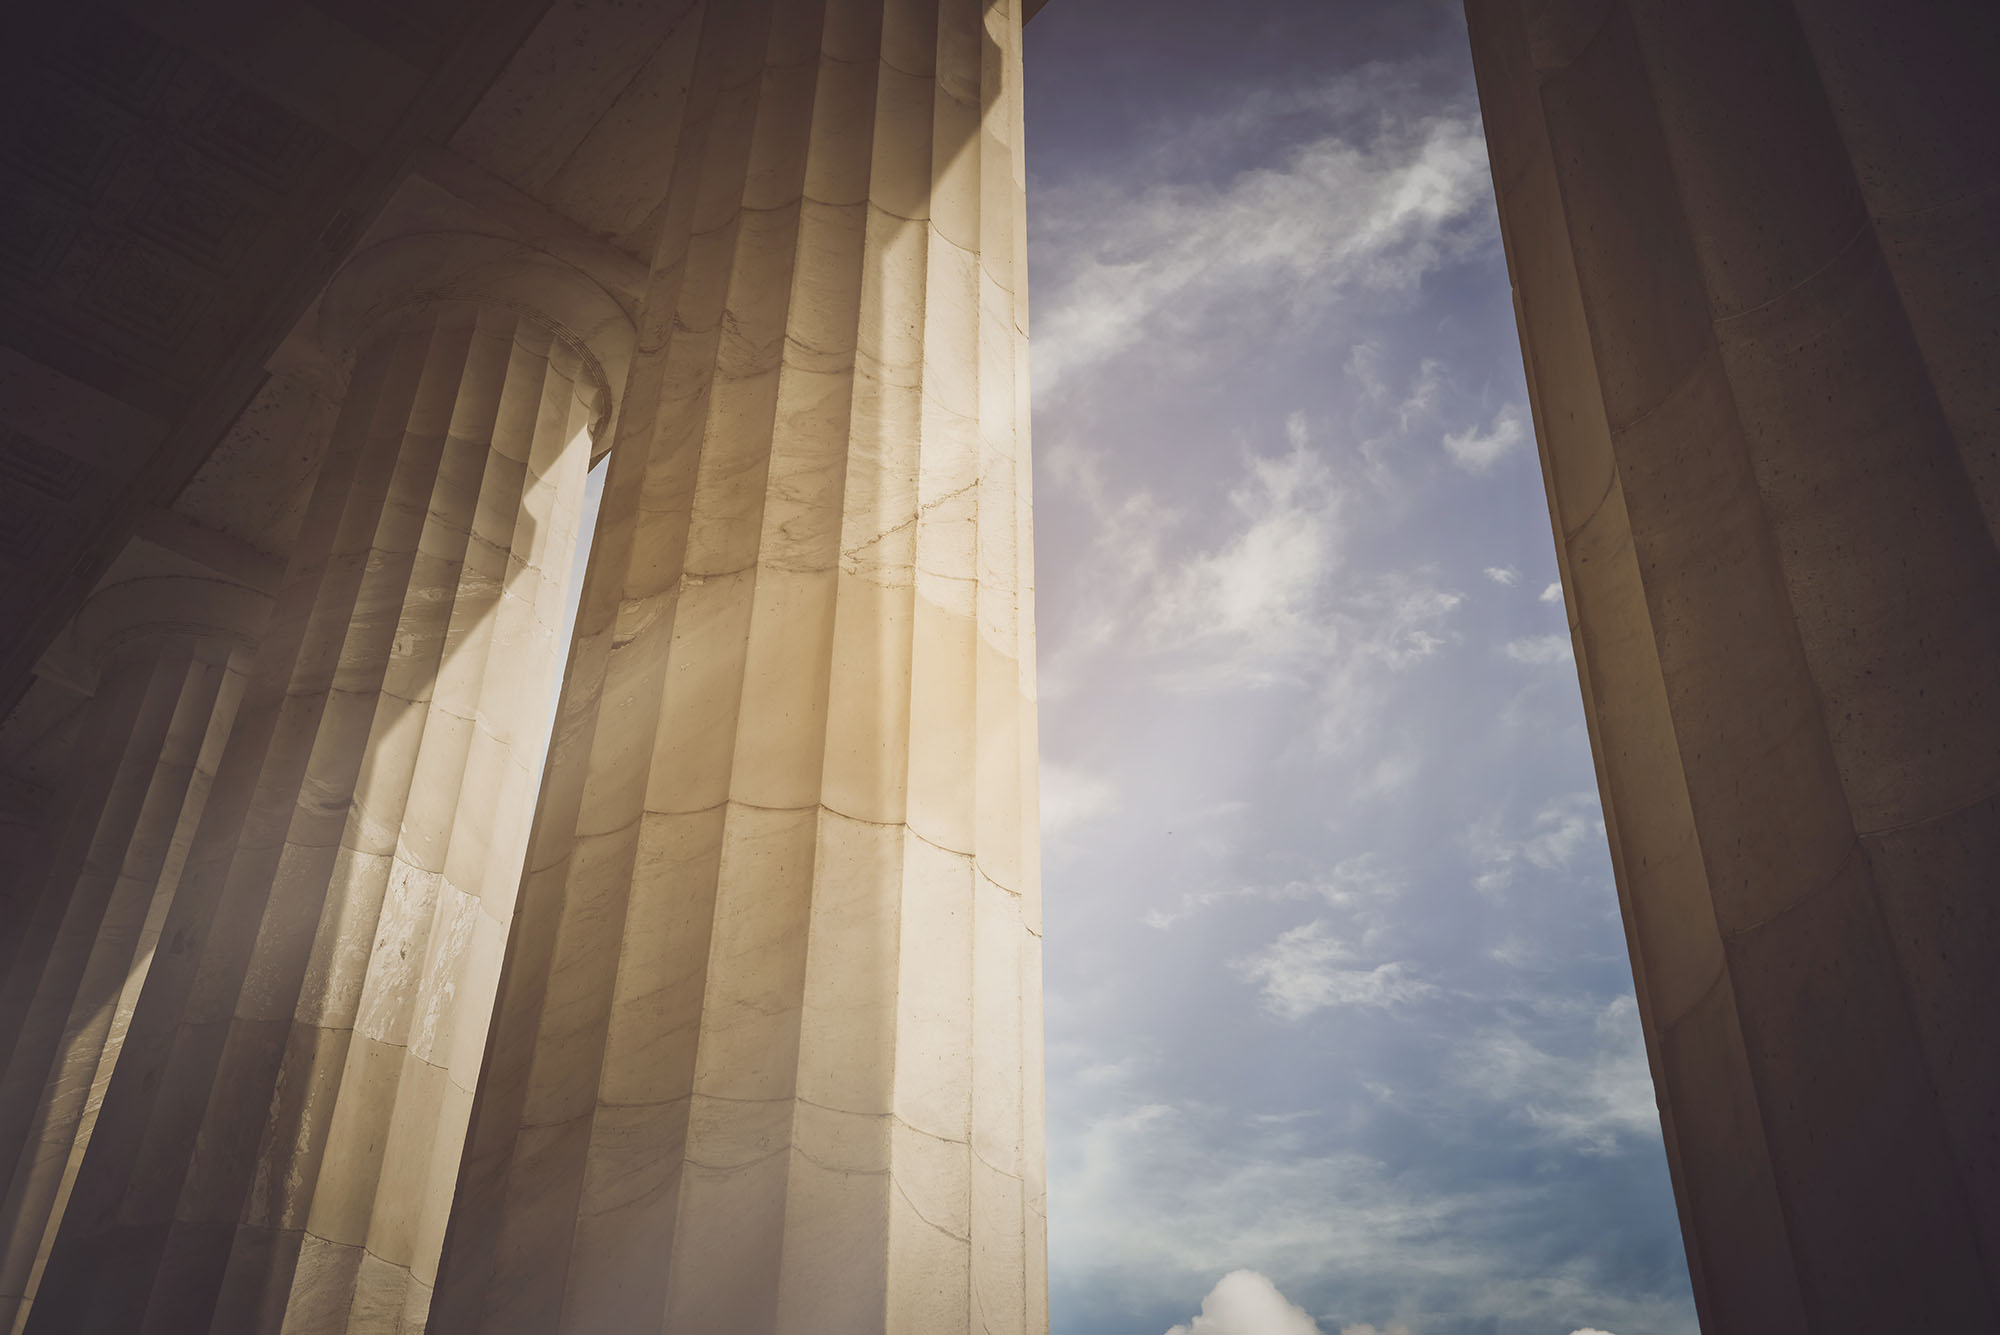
1372	202
1310	968
1154	1192
1477	451
1505	576
1552	594
1539	650
1244	1302
1587	1330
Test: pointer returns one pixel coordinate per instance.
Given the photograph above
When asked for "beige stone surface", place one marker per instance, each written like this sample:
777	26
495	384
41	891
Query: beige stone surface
165	652
278	1144
767	1053
1769	475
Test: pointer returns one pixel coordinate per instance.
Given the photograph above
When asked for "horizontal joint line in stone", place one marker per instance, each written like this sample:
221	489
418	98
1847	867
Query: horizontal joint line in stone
1955	201
1840	868
1839	252
357	1246
1931	819
1708	989
690	1160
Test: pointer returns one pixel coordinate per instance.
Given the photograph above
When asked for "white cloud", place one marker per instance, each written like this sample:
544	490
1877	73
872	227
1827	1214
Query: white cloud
1539	649
1505	576
1359	890
1128	529
1128	534
1552	594
1594	1101
1268	600
1258	591
1392	624
1420	404
1587	1330
1071	797
1365	368
1244	1302
1154	1189
1393	772
1561	829
1310	969
1477	451
1149	1196
1161	260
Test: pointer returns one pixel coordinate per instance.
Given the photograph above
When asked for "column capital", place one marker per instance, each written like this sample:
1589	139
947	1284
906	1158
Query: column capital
150	606
392	281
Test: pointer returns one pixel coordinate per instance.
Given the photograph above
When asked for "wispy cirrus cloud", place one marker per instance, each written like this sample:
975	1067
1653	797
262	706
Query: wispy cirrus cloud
1477	449
1377	199
1594	1095
1360	889
1539	650
1268	599
1258	592
1311	968
1560	831
1300	1068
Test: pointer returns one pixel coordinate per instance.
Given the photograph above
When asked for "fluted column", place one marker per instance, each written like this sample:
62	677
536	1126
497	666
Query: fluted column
1769	465
767	1055
277	1148
86	926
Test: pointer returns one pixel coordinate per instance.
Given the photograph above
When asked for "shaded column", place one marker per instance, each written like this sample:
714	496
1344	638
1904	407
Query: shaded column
767	1051
277	1147
1786	605
116	837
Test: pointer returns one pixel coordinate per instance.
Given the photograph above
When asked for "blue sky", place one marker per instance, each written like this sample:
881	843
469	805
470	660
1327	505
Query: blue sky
1340	1023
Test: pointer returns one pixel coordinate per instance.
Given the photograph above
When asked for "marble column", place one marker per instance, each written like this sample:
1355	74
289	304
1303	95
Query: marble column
278	1145
1752	253
168	651
767	1054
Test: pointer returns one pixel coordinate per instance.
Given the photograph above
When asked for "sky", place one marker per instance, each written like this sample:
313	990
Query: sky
1341	1031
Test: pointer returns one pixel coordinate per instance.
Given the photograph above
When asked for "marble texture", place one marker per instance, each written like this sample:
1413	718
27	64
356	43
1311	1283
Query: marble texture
1751	251
279	1140
767	1051
304	1024
167	655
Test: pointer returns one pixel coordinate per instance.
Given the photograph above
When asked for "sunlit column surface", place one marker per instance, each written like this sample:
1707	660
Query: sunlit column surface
277	1148
1752	246
768	1049
85	911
